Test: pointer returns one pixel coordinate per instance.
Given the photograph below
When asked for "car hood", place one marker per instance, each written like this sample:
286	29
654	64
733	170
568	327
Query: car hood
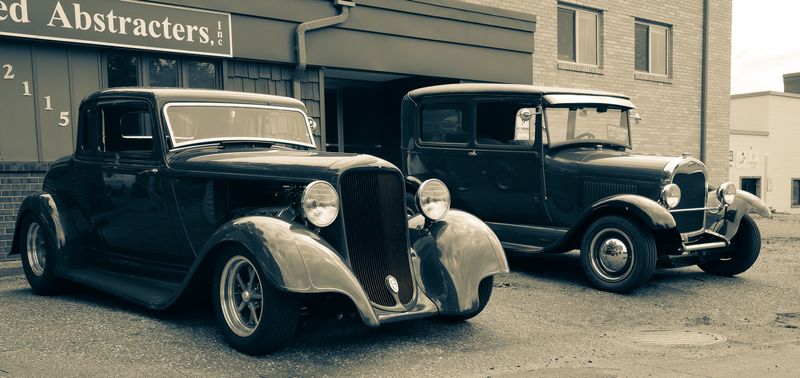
301	166
615	164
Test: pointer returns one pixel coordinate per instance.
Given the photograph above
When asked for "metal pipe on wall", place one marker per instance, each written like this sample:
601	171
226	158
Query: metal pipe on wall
300	34
704	83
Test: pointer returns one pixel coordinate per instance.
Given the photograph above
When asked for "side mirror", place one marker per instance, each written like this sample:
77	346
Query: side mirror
312	124
635	117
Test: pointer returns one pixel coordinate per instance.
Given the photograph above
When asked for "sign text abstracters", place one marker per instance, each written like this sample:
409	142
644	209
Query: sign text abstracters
119	23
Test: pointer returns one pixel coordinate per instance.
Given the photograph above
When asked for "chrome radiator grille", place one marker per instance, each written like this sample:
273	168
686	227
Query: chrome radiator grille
375	227
693	196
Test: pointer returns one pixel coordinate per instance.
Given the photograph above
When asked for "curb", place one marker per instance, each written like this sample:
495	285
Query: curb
13	264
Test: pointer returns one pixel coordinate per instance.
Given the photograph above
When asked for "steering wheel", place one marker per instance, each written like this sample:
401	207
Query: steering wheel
585	136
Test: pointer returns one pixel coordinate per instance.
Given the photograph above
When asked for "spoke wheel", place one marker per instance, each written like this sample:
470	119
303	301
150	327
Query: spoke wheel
240	290
618	254
38	253
37	248
255	317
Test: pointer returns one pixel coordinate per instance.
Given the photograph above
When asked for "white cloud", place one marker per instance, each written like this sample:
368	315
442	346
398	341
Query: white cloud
766	44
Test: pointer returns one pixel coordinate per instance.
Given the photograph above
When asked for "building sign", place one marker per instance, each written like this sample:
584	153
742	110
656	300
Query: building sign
130	24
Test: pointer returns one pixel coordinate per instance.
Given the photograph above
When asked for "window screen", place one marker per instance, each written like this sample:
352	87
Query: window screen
444	125
566	35
642	48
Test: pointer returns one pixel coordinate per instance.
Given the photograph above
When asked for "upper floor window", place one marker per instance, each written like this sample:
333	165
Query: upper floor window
131	69
578	35
652	48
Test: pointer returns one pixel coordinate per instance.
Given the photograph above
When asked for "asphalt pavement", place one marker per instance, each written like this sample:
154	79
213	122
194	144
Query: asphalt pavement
543	320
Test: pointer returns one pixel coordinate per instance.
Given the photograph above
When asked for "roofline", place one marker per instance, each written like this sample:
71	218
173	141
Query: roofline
765	93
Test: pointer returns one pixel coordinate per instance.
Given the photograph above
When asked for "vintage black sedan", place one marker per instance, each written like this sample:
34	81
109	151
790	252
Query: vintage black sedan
550	170
175	193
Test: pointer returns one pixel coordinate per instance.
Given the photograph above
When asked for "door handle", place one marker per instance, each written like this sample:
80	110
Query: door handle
149	172
472	153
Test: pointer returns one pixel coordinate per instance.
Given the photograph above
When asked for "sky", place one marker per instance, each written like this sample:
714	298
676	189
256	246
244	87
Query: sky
766	44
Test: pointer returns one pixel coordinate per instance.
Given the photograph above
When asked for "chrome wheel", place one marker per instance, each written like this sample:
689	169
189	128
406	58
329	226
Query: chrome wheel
241	296
37	249
611	255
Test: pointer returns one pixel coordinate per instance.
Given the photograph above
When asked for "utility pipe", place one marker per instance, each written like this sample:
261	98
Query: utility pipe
704	84
300	48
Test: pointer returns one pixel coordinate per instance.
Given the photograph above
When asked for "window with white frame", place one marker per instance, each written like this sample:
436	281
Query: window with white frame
652	48
578	35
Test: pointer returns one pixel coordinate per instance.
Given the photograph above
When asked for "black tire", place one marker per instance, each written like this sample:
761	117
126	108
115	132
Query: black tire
484	293
601	245
278	309
39	267
742	253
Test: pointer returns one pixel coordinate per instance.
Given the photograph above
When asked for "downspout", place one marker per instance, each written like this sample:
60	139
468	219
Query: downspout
704	84
302	29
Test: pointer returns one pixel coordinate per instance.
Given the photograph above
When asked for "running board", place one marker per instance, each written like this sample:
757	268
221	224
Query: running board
143	291
521	248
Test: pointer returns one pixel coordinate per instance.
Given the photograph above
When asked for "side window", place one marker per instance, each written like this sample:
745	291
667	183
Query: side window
445	124
120	127
505	124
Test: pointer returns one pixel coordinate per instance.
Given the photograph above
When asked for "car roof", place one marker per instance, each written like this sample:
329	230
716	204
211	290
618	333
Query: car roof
503	89
165	95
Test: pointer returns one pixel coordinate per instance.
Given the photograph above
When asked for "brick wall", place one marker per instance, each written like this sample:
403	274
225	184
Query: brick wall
670	109
17	181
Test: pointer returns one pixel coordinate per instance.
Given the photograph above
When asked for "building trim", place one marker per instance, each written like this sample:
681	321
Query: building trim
749	132
765	93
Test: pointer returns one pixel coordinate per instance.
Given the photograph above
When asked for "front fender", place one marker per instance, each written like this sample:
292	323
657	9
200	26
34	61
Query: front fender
453	256
294	259
650	212
61	231
726	222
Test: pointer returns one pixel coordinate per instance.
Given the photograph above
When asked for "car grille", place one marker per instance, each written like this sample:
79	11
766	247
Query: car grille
375	224
693	196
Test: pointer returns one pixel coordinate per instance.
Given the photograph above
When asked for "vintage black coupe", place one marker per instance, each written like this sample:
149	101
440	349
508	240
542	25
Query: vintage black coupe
175	193
550	170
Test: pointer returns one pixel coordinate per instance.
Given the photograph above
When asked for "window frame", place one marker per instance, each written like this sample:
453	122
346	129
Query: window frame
598	26
791	193
667	48
143	61
759	185
533	126
466	121
151	156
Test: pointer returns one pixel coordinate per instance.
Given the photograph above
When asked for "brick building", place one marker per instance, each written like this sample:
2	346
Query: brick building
359	63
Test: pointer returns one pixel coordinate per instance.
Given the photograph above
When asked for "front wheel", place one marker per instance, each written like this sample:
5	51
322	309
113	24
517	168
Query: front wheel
38	256
742	253
618	255
255	318
484	293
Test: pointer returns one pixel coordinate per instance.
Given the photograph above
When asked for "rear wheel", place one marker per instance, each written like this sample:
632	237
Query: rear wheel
255	318
38	256
484	293
618	255
742	253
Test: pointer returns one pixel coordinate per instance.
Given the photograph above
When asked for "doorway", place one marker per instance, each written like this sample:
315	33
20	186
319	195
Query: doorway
362	111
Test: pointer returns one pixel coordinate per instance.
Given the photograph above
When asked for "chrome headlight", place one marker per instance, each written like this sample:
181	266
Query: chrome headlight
320	203
433	199
726	193
671	196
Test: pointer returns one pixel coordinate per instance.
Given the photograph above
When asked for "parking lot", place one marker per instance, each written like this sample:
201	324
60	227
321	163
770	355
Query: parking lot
542	320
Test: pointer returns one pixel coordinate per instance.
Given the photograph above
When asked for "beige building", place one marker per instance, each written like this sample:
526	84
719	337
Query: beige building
652	51
765	128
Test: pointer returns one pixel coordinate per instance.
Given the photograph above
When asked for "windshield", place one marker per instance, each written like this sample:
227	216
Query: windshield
198	123
587	123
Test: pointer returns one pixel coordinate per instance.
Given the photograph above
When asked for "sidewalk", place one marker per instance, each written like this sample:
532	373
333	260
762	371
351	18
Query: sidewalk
10	268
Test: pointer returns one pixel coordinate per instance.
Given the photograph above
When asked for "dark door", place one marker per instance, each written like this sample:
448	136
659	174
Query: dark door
130	198
446	152
509	166
752	185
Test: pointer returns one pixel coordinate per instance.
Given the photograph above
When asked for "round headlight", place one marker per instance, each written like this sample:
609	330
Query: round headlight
726	193
433	199
320	203
671	196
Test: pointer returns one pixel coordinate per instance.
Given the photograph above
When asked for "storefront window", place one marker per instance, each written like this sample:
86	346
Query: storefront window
201	75
122	69
163	72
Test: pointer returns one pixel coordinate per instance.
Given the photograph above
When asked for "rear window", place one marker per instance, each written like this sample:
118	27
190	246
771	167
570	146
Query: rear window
444	124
